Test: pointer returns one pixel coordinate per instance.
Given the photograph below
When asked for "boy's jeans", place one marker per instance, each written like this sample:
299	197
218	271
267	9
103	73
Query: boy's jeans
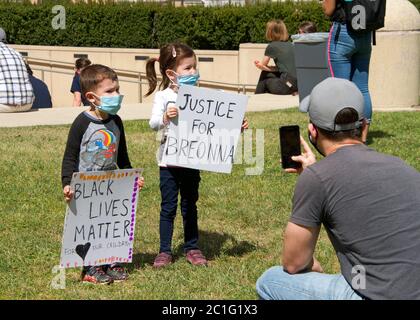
276	284
175	180
349	57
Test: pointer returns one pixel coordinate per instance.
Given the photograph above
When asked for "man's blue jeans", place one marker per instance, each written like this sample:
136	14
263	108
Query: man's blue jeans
349	57
276	284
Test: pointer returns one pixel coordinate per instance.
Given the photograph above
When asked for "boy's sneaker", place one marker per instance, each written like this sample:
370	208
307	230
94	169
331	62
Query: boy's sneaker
196	258
96	275
162	260
117	273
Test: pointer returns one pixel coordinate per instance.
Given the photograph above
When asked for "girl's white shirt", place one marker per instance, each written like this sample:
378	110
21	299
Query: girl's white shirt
160	105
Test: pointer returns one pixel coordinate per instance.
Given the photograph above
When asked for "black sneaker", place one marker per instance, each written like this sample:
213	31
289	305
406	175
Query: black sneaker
117	272
96	275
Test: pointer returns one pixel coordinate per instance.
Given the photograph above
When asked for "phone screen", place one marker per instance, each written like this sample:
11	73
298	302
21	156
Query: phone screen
289	146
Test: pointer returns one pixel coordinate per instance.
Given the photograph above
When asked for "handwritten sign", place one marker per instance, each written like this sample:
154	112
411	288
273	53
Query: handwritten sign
100	219
206	132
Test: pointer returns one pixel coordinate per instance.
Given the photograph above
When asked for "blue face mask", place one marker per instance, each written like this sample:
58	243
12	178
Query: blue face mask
110	104
190	79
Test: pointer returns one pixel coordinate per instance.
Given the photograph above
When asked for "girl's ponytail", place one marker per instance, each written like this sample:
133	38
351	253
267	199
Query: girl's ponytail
151	75
169	57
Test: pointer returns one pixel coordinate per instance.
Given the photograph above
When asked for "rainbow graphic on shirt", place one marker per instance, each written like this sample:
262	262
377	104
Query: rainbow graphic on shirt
106	140
109	137
101	148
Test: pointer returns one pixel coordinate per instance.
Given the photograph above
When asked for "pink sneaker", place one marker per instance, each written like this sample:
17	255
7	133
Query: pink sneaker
196	258
162	260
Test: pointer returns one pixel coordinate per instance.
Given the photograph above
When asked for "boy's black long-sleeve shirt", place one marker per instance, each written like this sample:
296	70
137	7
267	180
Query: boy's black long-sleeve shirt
94	145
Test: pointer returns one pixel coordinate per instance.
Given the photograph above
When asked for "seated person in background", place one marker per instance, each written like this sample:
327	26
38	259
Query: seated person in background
282	78
41	92
78	98
307	27
16	93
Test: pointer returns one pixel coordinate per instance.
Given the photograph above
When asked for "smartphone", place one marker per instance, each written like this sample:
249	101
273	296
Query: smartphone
289	146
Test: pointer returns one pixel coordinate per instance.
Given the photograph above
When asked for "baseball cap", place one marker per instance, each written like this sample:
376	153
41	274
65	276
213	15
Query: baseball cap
2	36
328	98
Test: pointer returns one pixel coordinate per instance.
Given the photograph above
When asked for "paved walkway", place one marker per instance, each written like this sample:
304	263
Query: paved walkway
56	116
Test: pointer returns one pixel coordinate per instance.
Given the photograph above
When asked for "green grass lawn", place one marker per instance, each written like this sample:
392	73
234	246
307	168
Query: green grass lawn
241	218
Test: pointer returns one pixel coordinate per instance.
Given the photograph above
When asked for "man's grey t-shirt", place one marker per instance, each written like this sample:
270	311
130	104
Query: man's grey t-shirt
369	204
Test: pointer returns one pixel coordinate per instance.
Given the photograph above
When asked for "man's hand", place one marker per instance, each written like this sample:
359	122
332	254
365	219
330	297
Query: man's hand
316	266
68	193
307	158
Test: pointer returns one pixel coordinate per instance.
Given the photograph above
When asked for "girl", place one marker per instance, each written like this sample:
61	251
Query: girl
280	79
178	66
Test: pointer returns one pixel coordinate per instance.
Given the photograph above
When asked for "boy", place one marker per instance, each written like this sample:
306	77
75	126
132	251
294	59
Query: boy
96	142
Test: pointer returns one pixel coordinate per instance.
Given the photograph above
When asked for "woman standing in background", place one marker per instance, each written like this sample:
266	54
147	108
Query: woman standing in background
349	53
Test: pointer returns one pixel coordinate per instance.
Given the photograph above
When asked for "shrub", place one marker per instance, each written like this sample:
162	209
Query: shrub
150	25
416	3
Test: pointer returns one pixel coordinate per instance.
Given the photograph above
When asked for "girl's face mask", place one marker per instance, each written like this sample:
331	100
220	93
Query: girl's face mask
190	79
110	104
187	79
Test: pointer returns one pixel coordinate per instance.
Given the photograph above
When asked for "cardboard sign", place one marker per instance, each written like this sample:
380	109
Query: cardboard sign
100	219
205	134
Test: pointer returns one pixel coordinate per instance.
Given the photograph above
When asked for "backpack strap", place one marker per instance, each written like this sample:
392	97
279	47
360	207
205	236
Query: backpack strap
337	33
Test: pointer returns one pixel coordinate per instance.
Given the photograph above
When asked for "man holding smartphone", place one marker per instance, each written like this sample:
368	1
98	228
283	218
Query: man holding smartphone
368	203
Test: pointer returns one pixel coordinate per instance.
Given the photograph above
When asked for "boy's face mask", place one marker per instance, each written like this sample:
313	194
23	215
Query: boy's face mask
110	104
